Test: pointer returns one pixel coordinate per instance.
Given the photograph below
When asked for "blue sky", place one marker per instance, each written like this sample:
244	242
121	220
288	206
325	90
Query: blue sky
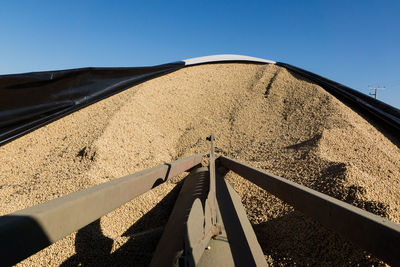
352	42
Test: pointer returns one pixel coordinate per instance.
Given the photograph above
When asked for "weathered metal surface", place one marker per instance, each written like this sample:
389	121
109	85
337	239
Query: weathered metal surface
208	214
27	231
378	235
187	236
202	222
218	253
195	241
232	226
211	195
243	244
171	246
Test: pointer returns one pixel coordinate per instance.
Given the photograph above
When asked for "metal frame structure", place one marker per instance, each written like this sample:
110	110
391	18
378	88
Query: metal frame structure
373	233
208	225
28	231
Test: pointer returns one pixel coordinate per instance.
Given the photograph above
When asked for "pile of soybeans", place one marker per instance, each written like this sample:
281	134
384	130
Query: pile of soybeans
262	115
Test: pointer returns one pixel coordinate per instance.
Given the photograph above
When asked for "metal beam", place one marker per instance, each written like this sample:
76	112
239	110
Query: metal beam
373	233
211	195
172	243
186	235
244	249
28	231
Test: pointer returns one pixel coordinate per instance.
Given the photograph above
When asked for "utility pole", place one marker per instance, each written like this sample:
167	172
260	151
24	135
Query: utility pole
375	93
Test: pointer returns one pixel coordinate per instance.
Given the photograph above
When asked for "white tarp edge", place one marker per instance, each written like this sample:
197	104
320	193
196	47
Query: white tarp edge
226	57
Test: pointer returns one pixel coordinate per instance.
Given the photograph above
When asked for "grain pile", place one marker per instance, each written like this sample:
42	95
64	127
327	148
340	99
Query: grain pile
260	114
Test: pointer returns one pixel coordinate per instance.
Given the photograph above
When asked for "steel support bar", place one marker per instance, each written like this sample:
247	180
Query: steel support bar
373	233
27	231
237	245
202	221
171	246
211	195
186	238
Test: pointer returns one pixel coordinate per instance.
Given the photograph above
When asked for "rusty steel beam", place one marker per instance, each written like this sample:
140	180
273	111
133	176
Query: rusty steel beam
28	231
373	233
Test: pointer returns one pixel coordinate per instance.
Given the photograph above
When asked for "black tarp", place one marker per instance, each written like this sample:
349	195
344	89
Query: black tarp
380	112
31	100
